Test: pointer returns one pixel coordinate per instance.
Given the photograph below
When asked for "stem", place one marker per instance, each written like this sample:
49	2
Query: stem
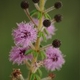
37	7
29	75
28	15
42	2
32	46
47	78
46	46
49	9
37	44
27	64
53	21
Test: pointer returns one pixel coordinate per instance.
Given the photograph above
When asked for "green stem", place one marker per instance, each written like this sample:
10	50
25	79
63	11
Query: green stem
43	48
42	2
40	23
37	44
28	15
29	75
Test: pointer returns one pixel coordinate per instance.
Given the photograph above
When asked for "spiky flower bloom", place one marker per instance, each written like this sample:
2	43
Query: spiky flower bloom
51	31
24	34
54	59
17	55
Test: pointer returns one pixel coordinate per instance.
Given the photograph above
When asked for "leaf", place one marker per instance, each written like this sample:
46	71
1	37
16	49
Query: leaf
35	54
28	51
39	15
47	16
39	34
43	55
32	76
33	12
46	31
44	37
37	77
40	72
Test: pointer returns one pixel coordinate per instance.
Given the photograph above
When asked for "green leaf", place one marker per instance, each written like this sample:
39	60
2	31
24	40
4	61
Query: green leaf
28	51
39	15
39	34
47	16
46	31
43	55
35	54
44	37
37	77
32	77
33	12
40	72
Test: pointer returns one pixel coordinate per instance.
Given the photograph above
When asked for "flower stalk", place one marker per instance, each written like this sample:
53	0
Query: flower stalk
28	39
30	18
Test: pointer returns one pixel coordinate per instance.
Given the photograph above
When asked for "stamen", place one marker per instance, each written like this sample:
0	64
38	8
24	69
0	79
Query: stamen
22	52
55	58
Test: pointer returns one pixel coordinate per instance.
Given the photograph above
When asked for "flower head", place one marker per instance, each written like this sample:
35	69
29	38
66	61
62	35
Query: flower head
24	4
24	34
56	43
51	31
46	23
54	59
17	55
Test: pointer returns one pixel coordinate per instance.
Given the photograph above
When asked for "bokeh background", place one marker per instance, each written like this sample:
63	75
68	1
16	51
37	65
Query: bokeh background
68	33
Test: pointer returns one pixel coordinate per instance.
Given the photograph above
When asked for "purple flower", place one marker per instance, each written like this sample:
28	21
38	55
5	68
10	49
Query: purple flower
51	29
24	34
54	59
17	55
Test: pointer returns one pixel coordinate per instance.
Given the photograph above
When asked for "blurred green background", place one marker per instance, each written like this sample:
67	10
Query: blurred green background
68	33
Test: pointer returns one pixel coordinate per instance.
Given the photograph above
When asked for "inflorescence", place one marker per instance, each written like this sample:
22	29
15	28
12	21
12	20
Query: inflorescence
28	38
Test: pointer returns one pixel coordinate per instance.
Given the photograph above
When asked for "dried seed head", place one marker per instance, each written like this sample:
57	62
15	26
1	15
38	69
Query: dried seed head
51	75
56	43
24	4
16	73
46	23
35	1
58	5
58	18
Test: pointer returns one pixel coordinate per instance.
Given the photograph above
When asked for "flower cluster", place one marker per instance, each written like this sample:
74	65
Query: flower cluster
17	55
28	38
54	59
24	34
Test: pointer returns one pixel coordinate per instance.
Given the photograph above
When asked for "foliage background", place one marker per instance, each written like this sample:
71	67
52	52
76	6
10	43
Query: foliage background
68	33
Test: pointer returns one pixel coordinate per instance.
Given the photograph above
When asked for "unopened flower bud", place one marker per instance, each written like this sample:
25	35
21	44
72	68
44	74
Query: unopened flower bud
58	5
35	1
58	18
56	43
46	23
24	4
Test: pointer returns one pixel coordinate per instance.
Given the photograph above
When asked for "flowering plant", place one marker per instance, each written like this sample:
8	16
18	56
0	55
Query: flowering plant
28	48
